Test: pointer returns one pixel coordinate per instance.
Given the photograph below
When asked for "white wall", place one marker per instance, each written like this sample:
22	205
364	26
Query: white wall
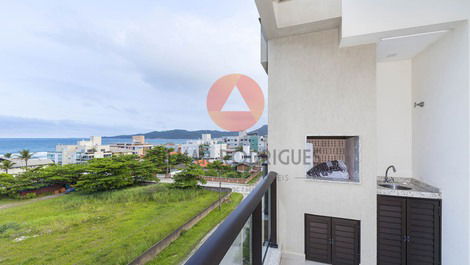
441	135
316	88
468	40
394	117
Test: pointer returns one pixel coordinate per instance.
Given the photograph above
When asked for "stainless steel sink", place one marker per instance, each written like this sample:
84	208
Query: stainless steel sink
394	186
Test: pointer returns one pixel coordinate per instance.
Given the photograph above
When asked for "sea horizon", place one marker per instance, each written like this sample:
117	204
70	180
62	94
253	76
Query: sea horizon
45	144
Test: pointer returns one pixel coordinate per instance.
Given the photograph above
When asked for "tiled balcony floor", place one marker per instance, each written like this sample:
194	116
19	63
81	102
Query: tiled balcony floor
287	259
274	257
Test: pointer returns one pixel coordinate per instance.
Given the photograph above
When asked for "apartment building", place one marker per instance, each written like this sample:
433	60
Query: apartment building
367	84
137	147
217	148
190	148
206	138
257	143
81	152
217	151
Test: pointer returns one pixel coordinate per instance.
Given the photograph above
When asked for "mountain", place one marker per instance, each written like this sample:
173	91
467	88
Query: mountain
184	134
262	131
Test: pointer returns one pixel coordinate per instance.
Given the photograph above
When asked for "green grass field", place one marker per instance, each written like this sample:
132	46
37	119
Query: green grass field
103	228
179	249
6	200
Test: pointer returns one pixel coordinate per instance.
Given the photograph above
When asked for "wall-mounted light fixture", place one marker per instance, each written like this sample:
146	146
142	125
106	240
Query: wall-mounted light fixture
419	104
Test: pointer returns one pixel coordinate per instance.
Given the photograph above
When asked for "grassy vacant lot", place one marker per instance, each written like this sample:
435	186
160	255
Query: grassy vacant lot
6	200
182	247
103	228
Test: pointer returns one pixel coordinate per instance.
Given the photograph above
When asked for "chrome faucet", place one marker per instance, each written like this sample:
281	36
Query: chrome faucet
388	179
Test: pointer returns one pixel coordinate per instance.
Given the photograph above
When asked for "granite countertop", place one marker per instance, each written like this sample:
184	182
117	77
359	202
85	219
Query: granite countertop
419	189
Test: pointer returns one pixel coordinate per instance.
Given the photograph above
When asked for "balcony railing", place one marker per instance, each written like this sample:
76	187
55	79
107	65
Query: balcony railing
247	233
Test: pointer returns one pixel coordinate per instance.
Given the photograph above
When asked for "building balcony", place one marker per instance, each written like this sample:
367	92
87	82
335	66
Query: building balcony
248	235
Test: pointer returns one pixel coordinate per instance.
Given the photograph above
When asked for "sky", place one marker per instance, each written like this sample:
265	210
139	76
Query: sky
81	68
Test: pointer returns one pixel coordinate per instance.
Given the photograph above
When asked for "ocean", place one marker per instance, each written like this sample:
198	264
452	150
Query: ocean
40	146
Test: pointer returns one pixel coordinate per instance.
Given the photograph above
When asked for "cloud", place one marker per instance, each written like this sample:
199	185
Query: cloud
18	127
140	64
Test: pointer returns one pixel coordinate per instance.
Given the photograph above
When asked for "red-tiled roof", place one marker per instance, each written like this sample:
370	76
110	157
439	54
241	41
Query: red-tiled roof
202	163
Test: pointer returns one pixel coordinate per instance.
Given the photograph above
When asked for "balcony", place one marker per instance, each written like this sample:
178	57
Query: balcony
248	234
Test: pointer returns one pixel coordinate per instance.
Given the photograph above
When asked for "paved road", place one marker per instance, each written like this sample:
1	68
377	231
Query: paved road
15	204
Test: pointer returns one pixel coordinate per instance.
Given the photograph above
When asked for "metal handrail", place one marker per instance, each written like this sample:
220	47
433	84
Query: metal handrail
216	246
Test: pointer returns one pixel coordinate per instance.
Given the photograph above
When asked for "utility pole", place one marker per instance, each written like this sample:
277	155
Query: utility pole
168	163
220	190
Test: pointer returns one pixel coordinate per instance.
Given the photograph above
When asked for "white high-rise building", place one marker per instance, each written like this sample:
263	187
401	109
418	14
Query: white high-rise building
83	151
217	151
206	138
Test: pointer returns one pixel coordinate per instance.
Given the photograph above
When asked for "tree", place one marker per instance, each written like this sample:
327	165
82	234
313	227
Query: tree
25	155
104	174
28	180
178	158
7	155
6	165
140	170
143	171
158	156
189	177
219	165
62	174
201	150
226	157
6	181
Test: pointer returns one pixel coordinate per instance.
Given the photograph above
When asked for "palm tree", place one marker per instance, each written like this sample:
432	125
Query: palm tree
7	155
25	155
6	165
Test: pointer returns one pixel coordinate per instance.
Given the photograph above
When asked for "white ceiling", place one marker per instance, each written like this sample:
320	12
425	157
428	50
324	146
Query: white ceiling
406	46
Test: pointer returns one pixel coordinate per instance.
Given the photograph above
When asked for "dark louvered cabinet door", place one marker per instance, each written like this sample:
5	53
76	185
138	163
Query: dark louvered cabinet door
318	238
423	229
391	230
345	241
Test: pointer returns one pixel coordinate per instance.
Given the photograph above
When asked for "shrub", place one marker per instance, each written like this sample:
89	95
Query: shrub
211	172
232	174
29	195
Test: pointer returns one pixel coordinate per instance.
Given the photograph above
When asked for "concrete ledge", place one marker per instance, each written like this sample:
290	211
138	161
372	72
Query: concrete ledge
153	251
232	180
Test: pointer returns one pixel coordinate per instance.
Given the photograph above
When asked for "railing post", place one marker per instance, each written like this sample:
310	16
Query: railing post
256	236
273	241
